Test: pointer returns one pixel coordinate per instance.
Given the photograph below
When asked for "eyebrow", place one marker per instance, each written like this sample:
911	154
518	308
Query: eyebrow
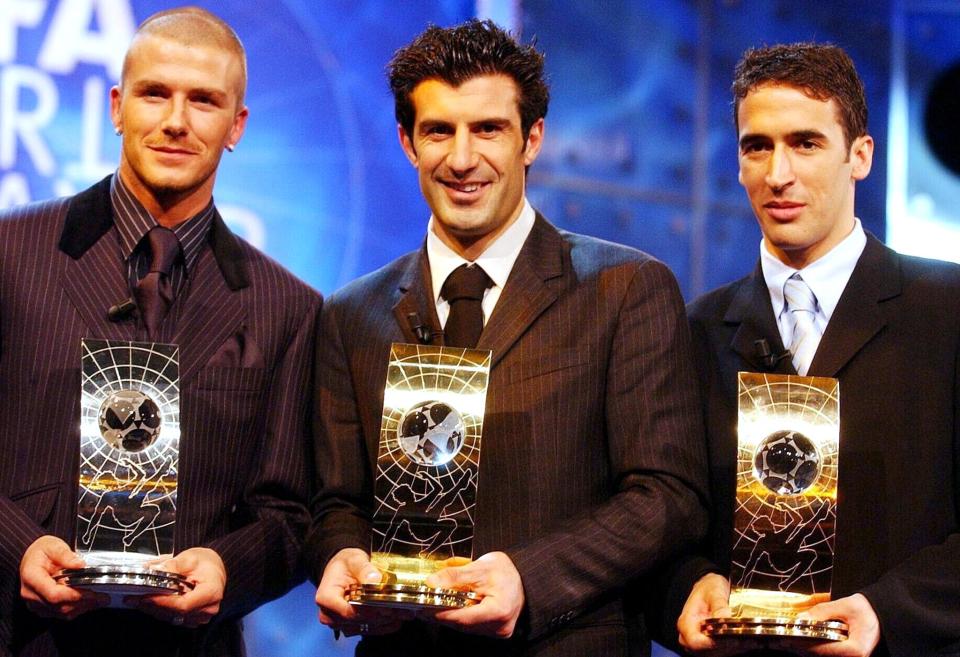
795	136
144	85
804	135
432	123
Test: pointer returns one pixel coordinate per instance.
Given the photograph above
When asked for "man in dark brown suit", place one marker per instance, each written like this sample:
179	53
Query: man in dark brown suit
245	331
592	466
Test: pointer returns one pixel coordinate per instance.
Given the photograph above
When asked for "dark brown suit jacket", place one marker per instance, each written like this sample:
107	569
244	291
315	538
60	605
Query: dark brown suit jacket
894	344
592	469
245	466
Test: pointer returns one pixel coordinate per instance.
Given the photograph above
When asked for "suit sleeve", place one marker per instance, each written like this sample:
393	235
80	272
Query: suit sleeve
263	556
669	587
341	508
918	602
654	439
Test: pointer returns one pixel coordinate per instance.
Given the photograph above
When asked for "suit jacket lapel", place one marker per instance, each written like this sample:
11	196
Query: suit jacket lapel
213	311
752	313
94	280
94	277
415	303
857	317
528	292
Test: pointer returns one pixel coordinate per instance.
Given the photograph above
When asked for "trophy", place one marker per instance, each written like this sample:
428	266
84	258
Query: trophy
786	508
129	447
428	464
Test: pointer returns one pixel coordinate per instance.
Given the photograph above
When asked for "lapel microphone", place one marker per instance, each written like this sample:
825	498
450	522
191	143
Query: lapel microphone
766	356
424	333
122	310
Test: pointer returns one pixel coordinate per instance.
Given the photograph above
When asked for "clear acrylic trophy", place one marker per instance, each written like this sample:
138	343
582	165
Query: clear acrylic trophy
129	453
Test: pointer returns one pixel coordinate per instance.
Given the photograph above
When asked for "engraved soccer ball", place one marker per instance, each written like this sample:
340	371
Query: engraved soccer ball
786	462
129	420
431	433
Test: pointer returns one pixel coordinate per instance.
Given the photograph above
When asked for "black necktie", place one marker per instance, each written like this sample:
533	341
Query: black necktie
154	293
463	290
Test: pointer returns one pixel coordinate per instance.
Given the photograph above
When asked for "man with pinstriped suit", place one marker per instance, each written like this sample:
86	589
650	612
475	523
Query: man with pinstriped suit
592	469
82	267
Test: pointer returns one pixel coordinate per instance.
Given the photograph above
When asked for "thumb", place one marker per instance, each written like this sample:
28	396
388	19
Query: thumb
62	556
363	570
167	564
451	578
822	611
718	604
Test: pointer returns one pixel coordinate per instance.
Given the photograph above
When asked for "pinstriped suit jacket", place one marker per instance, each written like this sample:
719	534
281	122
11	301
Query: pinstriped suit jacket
244	454
592	469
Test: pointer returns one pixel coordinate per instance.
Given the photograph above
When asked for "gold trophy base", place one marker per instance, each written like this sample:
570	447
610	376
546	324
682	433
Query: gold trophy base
404	587
790	628
125	580
409	596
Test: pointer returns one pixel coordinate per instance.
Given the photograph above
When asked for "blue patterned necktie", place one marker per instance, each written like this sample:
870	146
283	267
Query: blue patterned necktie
801	306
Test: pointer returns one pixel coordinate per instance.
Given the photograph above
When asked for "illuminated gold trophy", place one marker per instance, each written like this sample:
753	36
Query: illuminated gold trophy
785	518
428	467
129	452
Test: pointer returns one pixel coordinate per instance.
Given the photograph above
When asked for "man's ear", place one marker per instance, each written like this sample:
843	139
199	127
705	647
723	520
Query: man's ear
238	127
534	142
116	95
407	145
861	155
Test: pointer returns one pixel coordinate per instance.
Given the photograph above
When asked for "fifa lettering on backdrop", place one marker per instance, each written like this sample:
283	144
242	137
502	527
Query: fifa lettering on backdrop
58	59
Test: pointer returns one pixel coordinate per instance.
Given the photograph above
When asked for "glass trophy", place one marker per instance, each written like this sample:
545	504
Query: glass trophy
786	507
129	447
428	464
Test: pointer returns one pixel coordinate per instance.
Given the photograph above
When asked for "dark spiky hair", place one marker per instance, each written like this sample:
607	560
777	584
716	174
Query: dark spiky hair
457	54
821	70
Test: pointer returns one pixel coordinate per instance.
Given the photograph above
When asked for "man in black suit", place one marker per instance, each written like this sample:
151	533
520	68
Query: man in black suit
592	463
886	325
245	329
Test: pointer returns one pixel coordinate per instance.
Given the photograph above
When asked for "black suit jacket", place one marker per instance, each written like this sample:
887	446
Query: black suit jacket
245	465
894	344
592	467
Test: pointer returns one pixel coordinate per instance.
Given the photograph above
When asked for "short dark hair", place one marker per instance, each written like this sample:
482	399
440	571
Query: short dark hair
457	54
821	70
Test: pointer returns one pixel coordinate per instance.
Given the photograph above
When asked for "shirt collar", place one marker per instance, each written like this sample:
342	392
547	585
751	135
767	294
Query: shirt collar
827	276
497	260
133	221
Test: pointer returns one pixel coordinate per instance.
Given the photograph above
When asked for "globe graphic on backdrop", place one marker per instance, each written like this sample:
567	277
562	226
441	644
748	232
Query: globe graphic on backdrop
129	420
786	462
431	433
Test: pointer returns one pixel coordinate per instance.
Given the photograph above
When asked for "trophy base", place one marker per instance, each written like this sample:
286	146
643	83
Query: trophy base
409	596
789	628
125	580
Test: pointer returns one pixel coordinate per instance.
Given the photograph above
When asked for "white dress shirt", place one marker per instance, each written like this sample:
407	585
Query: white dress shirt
827	276
497	260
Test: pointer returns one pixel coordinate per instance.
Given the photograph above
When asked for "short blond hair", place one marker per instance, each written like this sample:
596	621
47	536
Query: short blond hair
192	26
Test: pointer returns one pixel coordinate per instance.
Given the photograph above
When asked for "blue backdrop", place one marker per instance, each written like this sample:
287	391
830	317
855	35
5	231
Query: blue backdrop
640	146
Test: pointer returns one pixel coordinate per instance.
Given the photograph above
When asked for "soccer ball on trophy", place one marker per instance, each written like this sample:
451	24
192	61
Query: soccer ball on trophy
129	420
431	433
786	462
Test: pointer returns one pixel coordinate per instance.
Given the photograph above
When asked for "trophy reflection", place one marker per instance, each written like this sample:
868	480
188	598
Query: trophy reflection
786	507
428	465
129	454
